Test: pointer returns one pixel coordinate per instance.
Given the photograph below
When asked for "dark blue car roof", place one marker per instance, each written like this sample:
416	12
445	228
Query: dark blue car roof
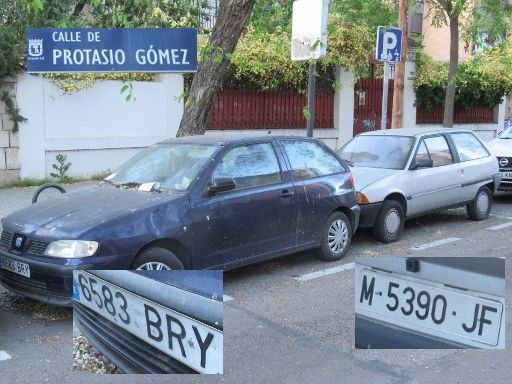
226	138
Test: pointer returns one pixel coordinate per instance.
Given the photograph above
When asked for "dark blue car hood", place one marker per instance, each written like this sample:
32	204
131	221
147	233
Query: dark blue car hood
73	213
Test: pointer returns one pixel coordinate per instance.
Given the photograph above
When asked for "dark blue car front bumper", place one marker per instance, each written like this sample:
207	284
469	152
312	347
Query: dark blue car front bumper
51	280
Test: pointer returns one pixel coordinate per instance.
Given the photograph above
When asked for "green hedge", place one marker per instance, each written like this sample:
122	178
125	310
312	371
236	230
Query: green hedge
482	80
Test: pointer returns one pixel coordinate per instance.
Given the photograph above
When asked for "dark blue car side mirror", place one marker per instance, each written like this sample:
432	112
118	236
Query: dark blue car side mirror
222	184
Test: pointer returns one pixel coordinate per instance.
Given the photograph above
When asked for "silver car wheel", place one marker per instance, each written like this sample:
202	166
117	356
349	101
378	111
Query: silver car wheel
392	221
482	203
154	266
337	236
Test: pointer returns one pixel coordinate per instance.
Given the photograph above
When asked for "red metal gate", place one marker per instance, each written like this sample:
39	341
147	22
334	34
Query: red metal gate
368	105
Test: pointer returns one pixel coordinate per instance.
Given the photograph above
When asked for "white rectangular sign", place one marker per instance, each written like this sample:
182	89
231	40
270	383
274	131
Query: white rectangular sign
309	29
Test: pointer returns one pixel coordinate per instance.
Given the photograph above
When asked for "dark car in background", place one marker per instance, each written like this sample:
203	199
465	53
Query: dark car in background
215	202
153	321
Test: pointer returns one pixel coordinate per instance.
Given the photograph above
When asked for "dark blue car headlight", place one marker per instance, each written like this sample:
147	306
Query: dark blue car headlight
71	248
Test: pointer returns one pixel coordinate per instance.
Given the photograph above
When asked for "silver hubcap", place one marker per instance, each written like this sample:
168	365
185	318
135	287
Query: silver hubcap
337	237
482	203
392	221
154	266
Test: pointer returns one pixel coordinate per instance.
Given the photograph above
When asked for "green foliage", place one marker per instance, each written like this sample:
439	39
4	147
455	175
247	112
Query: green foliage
10	53
148	14
61	167
270	15
482	80
262	59
12	111
101	176
28	182
16	17
75	82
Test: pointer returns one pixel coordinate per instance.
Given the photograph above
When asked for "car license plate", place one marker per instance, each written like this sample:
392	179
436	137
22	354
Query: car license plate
189	341
427	307
506	175
15	266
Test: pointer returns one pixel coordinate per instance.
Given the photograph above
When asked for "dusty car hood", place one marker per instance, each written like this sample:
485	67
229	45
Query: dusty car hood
364	176
73	213
501	147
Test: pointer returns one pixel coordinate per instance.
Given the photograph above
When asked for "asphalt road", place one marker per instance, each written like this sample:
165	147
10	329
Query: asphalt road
282	328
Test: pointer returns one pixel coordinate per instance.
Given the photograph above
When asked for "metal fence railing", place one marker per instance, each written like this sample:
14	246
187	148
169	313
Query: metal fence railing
481	115
247	109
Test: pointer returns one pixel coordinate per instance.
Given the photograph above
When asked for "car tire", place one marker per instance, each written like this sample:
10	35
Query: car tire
389	224
336	237
481	205
157	258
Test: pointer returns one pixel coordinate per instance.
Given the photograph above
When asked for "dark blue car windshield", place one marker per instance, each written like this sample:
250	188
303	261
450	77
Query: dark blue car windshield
172	166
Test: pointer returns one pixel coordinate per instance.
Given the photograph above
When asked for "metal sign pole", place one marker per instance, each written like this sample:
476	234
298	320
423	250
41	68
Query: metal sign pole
383	124
311	98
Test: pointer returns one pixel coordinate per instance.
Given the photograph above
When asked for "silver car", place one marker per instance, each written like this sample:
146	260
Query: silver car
404	173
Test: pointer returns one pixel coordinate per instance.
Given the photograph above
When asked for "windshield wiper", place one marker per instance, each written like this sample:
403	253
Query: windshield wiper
348	162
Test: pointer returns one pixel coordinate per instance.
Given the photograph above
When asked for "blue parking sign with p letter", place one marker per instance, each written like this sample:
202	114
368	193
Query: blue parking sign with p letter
389	44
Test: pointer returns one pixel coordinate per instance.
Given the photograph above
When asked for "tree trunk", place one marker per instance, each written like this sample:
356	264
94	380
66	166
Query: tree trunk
211	71
398	87
449	101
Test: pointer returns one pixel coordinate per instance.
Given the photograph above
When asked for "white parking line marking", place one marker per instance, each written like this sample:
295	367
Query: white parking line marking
325	272
4	356
226	298
501	217
435	243
500	226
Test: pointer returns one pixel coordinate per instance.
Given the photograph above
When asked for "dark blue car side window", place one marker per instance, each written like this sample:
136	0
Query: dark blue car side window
309	159
249	165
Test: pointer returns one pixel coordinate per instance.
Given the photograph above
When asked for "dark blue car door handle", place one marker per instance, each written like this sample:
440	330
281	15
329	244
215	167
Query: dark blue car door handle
287	193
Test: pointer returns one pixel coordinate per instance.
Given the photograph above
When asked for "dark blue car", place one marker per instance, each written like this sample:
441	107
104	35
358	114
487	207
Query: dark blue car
215	202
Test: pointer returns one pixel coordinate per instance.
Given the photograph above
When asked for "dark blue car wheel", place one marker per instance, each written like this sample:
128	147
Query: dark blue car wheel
336	237
157	258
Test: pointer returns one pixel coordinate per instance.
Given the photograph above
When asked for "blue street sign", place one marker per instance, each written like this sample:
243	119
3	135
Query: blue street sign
389	44
111	50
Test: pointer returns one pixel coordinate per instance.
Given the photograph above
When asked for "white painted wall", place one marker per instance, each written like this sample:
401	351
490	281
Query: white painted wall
344	106
96	128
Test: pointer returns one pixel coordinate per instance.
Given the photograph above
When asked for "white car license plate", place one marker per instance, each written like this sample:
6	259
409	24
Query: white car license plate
423	306
506	175
15	266
189	341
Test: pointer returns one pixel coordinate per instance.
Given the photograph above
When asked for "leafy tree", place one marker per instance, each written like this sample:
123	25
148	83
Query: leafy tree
475	21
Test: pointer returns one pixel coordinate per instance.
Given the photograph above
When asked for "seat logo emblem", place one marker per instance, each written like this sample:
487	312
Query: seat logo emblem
18	242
